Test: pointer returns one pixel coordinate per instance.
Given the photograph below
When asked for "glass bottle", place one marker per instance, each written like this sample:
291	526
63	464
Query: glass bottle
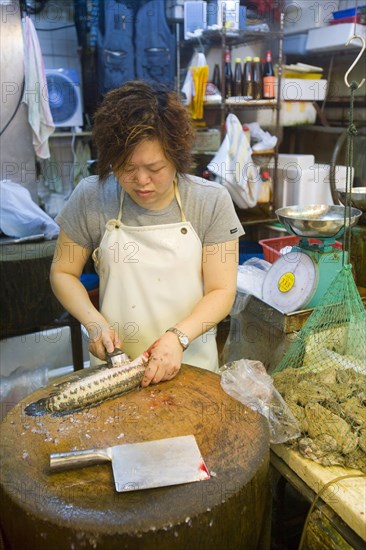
268	78
237	77
257	78
216	79
263	63
228	75
248	78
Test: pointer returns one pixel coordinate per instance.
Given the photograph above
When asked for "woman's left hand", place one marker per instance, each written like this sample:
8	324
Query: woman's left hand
165	360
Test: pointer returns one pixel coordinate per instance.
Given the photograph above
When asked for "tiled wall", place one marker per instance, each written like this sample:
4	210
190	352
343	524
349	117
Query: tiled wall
58	40
59	45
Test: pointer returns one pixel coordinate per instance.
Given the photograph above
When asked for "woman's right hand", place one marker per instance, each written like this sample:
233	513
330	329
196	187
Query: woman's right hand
102	339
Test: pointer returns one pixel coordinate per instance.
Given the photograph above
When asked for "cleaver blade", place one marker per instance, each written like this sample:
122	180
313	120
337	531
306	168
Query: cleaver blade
137	466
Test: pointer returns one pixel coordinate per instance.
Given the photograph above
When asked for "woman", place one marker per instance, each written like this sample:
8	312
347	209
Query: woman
165	244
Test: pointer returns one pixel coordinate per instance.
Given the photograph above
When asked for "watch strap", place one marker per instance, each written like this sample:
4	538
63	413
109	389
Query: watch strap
183	338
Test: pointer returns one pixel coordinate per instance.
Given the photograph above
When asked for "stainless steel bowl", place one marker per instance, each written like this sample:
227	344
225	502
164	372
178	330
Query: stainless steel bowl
358	197
317	220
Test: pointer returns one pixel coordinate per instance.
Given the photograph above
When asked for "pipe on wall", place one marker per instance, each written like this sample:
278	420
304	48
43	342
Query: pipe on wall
17	158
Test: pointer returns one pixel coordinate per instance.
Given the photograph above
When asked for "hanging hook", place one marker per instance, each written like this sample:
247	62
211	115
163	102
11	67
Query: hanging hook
355	37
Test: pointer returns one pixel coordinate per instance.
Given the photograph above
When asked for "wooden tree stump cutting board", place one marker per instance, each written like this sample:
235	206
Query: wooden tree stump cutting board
80	509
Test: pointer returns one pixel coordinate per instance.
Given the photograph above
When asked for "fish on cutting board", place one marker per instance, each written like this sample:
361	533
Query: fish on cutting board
92	387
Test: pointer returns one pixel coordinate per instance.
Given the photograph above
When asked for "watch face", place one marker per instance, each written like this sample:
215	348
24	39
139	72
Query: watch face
184	341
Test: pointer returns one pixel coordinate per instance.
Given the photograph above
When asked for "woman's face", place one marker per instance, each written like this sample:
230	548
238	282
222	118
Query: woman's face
148	176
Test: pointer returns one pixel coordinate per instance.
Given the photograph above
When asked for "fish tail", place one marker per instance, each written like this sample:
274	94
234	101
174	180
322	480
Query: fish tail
38	408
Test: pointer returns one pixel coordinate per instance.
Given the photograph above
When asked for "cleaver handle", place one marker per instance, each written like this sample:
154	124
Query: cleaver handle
79	459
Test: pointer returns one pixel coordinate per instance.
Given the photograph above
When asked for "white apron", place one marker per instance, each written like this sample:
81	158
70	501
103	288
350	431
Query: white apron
150	279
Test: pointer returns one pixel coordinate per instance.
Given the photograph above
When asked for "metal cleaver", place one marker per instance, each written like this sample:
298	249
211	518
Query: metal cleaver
144	465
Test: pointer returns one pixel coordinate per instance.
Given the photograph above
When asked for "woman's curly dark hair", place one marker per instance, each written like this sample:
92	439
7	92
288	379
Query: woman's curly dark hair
135	112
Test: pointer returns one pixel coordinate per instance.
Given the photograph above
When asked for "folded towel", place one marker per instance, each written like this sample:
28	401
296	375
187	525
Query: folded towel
35	91
234	166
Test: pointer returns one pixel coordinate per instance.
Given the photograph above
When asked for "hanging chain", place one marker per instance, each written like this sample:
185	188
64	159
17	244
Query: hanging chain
352	131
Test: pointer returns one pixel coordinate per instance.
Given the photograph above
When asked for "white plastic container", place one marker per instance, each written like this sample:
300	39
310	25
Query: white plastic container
298	186
232	13
175	10
195	17
334	36
293	113
295	43
298	161
303	89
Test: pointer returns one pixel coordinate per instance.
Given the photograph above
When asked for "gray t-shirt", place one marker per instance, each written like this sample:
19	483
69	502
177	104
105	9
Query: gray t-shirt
207	205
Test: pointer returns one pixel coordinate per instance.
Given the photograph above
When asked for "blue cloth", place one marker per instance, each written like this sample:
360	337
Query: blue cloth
90	280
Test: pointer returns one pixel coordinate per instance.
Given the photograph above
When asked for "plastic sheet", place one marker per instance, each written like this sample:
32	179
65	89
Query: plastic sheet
251	275
20	383
248	382
20	216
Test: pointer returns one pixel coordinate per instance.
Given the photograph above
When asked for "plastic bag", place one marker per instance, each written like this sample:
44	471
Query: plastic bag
251	275
235	342
265	140
233	165
20	216
248	382
194	86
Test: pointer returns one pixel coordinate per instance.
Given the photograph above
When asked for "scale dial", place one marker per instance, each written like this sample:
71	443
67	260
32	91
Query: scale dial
290	282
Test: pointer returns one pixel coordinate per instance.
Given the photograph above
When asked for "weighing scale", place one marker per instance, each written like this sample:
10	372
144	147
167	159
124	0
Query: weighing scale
358	234
299	278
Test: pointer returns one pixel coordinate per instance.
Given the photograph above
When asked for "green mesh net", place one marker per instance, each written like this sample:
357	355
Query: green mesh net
322	377
335	332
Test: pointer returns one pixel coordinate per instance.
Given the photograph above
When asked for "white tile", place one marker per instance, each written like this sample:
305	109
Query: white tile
59	62
46	46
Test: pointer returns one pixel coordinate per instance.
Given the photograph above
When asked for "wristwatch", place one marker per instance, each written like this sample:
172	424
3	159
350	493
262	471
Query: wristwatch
183	338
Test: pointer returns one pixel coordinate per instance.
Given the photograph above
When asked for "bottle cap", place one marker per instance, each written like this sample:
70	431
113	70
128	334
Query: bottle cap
256	59
237	60
247	58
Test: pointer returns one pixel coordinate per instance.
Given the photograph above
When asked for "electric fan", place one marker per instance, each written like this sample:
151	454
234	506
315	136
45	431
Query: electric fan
64	96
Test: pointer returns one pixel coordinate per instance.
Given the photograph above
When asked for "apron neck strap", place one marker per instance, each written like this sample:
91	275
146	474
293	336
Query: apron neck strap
179	200
176	194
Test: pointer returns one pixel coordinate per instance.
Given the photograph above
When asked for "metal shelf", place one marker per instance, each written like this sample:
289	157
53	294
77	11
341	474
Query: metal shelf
70	134
212	37
227	38
238	102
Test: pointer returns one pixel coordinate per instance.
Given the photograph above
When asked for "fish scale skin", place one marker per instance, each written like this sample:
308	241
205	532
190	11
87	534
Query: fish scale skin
93	389
87	394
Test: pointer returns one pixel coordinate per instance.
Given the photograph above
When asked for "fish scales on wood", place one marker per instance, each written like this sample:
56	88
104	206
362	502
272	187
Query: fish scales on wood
91	388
